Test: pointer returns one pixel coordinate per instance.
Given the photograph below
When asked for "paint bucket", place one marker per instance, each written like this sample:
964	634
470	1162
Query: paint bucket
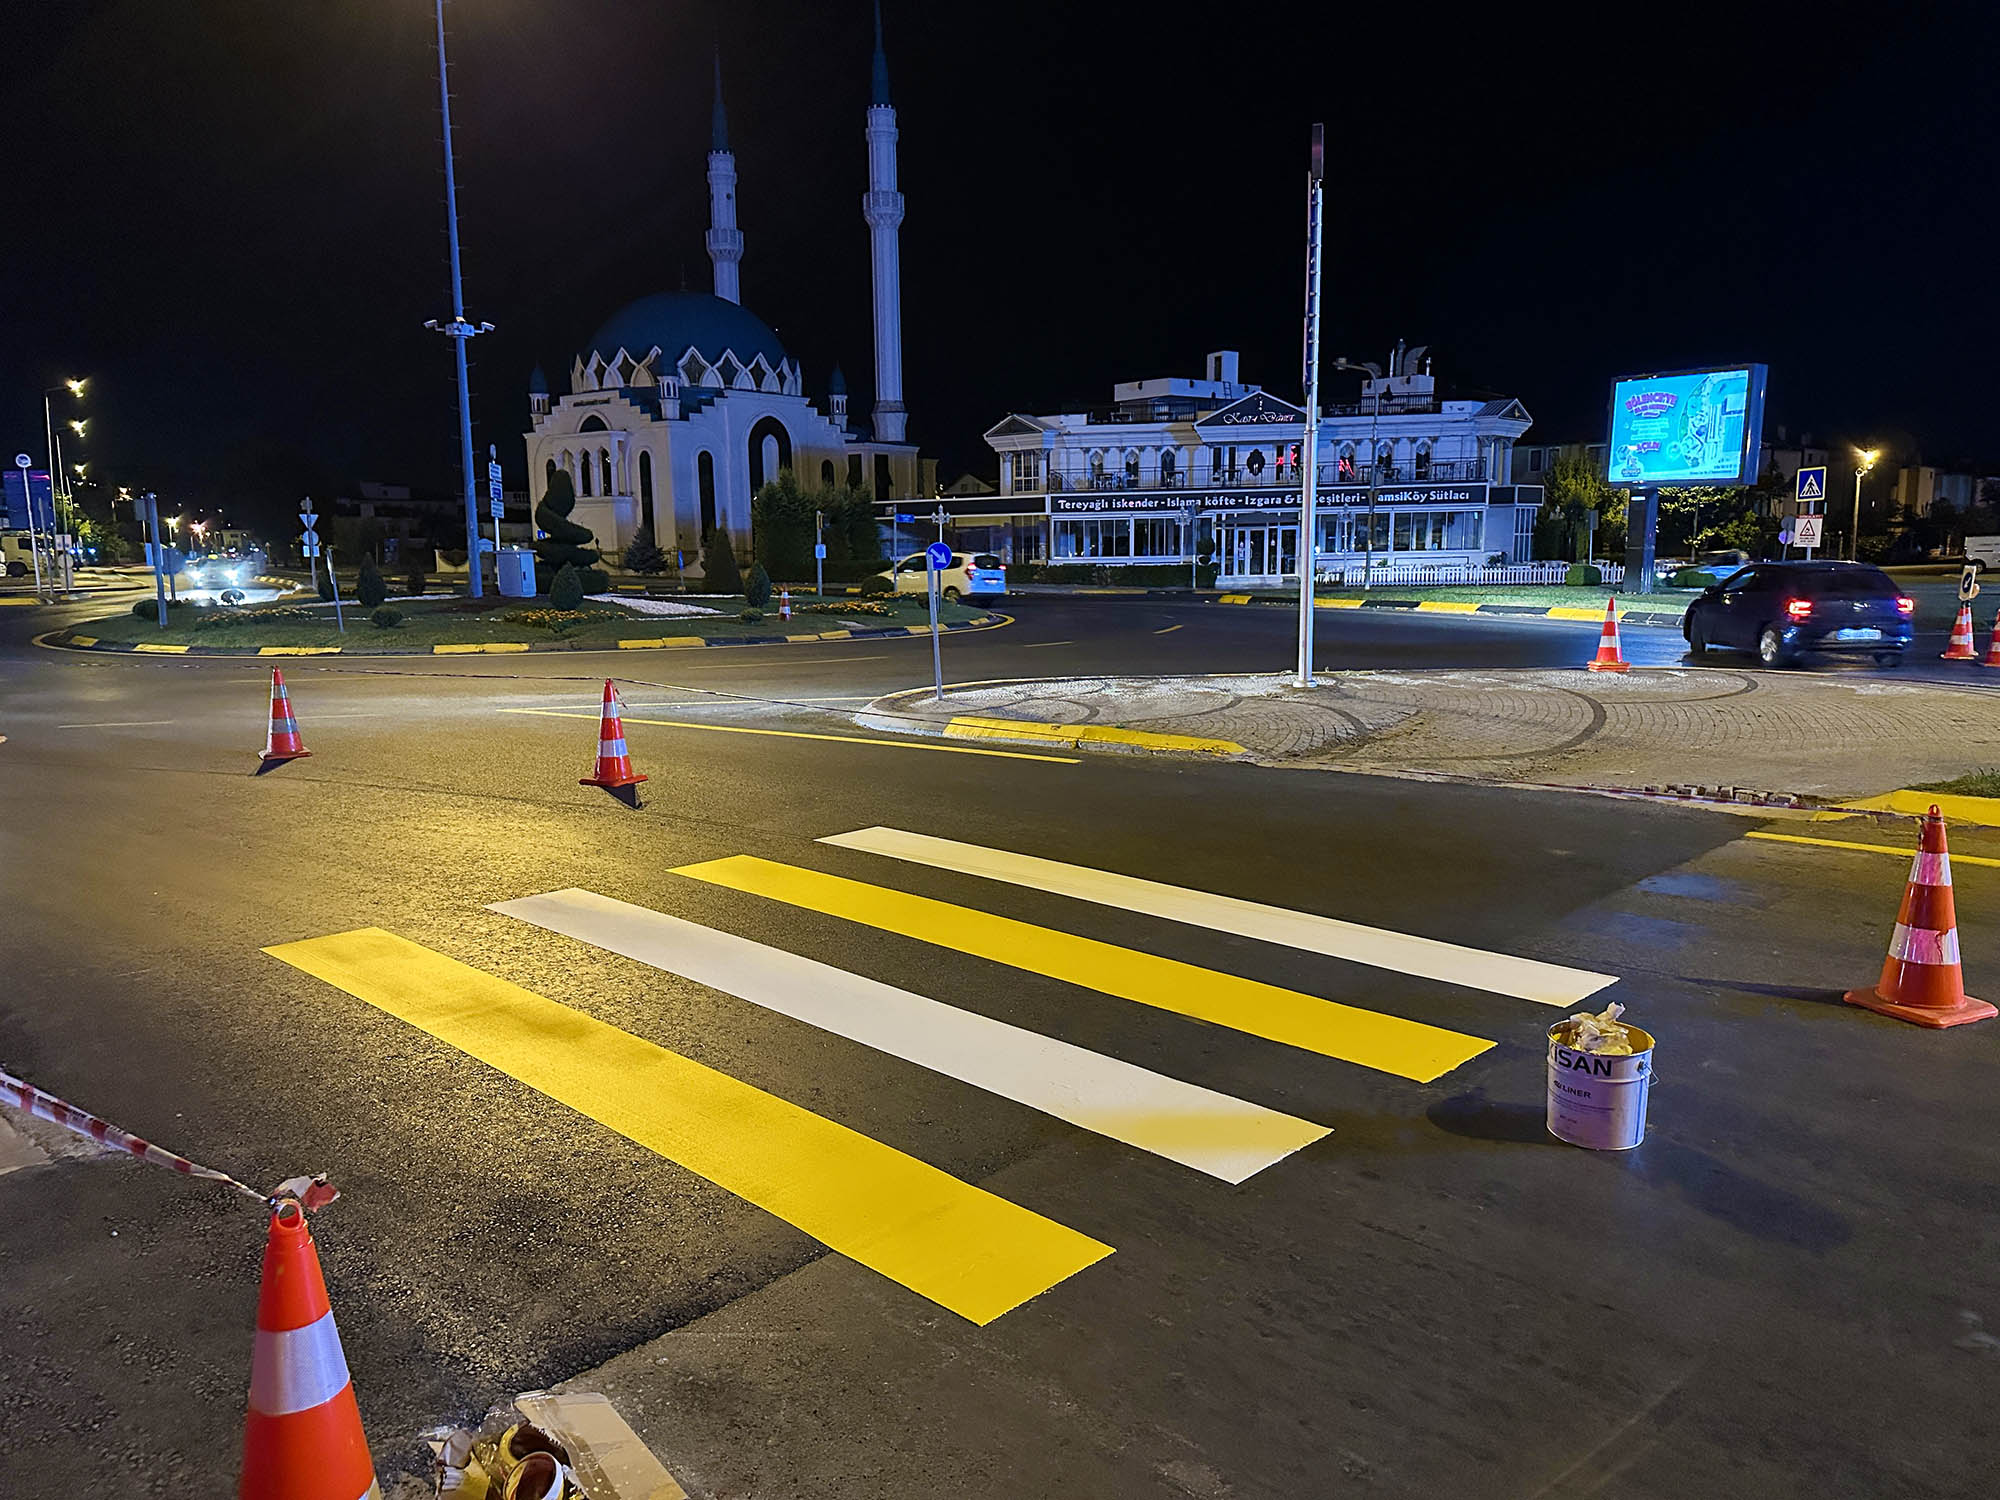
1598	1100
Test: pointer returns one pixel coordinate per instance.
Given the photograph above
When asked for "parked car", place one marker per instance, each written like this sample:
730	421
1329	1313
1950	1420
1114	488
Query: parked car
1983	552
1782	610
972	575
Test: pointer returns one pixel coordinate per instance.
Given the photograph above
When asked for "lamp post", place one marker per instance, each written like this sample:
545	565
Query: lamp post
1308	497
1374	373
1865	460
458	330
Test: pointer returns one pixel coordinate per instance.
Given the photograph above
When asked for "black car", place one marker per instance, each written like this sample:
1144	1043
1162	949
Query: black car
1782	609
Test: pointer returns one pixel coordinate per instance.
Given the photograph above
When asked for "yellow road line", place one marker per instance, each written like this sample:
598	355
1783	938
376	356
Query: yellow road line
800	734
480	647
1901	853
1169	630
156	649
1409	1049
1956	808
973	727
958	1245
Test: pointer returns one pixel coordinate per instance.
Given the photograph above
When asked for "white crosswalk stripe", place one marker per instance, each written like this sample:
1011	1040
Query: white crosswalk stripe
1383	948
1226	1137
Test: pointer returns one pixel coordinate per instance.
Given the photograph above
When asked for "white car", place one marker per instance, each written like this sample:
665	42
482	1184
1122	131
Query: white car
972	575
1983	552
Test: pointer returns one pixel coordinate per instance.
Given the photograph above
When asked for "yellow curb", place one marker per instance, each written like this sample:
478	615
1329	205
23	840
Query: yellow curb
973	727
1566	612
1337	603
659	642
1232	599
156	649
83	640
483	646
813	636
1984	811
298	650
835	635
1446	607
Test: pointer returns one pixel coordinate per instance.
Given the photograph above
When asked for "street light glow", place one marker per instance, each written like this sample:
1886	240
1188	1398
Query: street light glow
76	426
1867	457
75	387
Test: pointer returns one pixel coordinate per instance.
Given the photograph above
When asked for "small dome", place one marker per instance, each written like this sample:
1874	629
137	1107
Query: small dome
836	383
672	321
538	383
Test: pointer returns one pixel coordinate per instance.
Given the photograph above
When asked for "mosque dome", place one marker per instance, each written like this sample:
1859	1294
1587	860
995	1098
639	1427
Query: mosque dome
672	321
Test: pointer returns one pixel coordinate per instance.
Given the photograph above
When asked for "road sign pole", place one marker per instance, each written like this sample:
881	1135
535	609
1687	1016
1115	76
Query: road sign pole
334	584
819	553
937	647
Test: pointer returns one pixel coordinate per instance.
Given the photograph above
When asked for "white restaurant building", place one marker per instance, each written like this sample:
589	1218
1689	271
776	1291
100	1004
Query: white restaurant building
1176	468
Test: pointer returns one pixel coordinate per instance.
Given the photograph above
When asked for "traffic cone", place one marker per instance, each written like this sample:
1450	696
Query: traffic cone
1961	647
1610	651
283	742
614	763
303	1440
1921	980
784	604
1992	657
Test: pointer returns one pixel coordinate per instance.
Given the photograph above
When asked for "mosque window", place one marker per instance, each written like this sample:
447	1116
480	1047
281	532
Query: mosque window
826	473
646	489
604	467
583	473
692	369
726	370
593	423
704	468
854	471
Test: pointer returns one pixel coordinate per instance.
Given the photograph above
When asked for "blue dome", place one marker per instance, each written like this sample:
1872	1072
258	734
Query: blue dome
674	320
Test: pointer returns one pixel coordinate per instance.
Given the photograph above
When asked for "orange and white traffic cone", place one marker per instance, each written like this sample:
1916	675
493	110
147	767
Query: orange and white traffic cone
1921	981
614	762
784	604
1992	656
303	1440
1961	647
1610	651
283	742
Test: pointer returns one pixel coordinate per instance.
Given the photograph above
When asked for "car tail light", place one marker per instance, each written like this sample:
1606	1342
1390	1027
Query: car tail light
1905	605
1798	609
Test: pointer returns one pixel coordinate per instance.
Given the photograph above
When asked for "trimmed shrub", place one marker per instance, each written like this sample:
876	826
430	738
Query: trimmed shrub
566	590
751	616
149	608
757	588
370	589
415	582
1583	575
566	543
719	573
1206	571
322	578
386	616
877	587
594	580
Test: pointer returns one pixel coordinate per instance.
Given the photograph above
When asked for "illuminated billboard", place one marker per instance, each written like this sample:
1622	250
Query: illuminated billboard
1687	427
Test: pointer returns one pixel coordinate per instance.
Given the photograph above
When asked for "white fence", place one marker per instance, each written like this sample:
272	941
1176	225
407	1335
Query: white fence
1424	575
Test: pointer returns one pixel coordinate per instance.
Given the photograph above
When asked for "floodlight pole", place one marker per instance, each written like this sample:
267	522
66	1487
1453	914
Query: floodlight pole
458	330
1309	492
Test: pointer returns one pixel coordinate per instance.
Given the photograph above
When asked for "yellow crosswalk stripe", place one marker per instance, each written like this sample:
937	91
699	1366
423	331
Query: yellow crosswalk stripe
962	1247
1391	1044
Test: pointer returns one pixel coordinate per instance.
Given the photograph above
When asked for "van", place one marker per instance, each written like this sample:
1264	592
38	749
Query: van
1983	552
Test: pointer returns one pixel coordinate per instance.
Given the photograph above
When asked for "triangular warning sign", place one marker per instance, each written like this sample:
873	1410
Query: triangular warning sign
1810	488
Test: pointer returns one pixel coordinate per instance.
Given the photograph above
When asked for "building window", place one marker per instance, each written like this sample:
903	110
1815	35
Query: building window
604	468
1440	530
1131	468
854	471
646	491
1169	466
583	467
1534	460
882	476
592	423
1110	537
1423	461
704	468
826	473
1026	471
549	477
770	451
1156	538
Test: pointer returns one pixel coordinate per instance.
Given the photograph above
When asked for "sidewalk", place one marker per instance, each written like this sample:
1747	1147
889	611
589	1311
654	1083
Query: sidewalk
1815	737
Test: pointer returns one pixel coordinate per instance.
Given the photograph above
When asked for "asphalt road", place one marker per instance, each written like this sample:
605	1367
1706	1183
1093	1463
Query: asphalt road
1789	1289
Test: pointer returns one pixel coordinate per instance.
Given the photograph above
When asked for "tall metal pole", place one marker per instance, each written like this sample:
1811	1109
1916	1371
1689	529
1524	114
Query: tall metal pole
458	330
1309	494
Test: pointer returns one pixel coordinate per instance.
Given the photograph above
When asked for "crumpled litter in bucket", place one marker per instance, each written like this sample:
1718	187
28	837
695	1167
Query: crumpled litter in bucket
1601	1033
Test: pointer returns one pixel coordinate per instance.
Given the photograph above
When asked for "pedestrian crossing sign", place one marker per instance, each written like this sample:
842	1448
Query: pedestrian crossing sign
1812	483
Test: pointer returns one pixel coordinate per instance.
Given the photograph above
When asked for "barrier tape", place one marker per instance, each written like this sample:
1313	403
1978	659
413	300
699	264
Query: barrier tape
311	1192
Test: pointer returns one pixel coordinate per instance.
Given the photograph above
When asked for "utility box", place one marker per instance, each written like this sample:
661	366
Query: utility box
517	572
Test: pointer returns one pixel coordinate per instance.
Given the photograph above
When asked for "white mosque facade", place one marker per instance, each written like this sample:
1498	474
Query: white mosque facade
685	404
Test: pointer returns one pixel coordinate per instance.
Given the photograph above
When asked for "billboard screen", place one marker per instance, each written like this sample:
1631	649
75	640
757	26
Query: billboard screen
16	507
1688	427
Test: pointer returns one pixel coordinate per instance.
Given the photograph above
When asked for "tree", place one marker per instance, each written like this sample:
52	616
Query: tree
642	554
566	589
1573	489
369	587
782	535
757	590
719	574
566	542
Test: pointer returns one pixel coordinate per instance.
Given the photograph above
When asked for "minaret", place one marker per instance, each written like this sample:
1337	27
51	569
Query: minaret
836	398
538	393
882	207
725	240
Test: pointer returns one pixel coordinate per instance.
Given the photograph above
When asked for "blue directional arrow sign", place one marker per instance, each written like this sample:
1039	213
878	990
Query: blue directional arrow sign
938	555
901	519
1812	483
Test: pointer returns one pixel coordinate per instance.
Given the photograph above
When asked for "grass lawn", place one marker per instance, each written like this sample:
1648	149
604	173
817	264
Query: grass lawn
455	622
1981	783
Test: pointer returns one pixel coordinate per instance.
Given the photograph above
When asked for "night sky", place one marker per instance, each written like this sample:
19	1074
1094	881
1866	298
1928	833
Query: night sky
228	213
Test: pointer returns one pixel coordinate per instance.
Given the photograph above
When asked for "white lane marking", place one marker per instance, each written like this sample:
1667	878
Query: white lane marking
1038	645
122	724
1215	1133
1406	953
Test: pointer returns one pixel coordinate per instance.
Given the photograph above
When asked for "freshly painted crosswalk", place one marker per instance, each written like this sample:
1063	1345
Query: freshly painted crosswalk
1392	1044
1428	958
1212	1132
964	1248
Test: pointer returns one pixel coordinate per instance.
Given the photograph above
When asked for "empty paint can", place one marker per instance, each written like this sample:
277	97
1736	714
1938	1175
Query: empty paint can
1598	1099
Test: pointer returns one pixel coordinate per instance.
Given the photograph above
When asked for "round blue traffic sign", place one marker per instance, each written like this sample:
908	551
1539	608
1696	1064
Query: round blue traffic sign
938	555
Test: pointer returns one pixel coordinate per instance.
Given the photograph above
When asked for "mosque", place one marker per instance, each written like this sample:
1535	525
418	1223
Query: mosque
685	403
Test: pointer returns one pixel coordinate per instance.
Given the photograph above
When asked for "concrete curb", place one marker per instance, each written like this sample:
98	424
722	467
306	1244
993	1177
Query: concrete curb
69	640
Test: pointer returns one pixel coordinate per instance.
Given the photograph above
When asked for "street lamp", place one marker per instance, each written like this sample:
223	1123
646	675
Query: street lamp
56	481
1864	460
1374	373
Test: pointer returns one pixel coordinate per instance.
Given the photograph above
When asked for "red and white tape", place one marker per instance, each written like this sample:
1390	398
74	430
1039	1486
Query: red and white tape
311	1192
